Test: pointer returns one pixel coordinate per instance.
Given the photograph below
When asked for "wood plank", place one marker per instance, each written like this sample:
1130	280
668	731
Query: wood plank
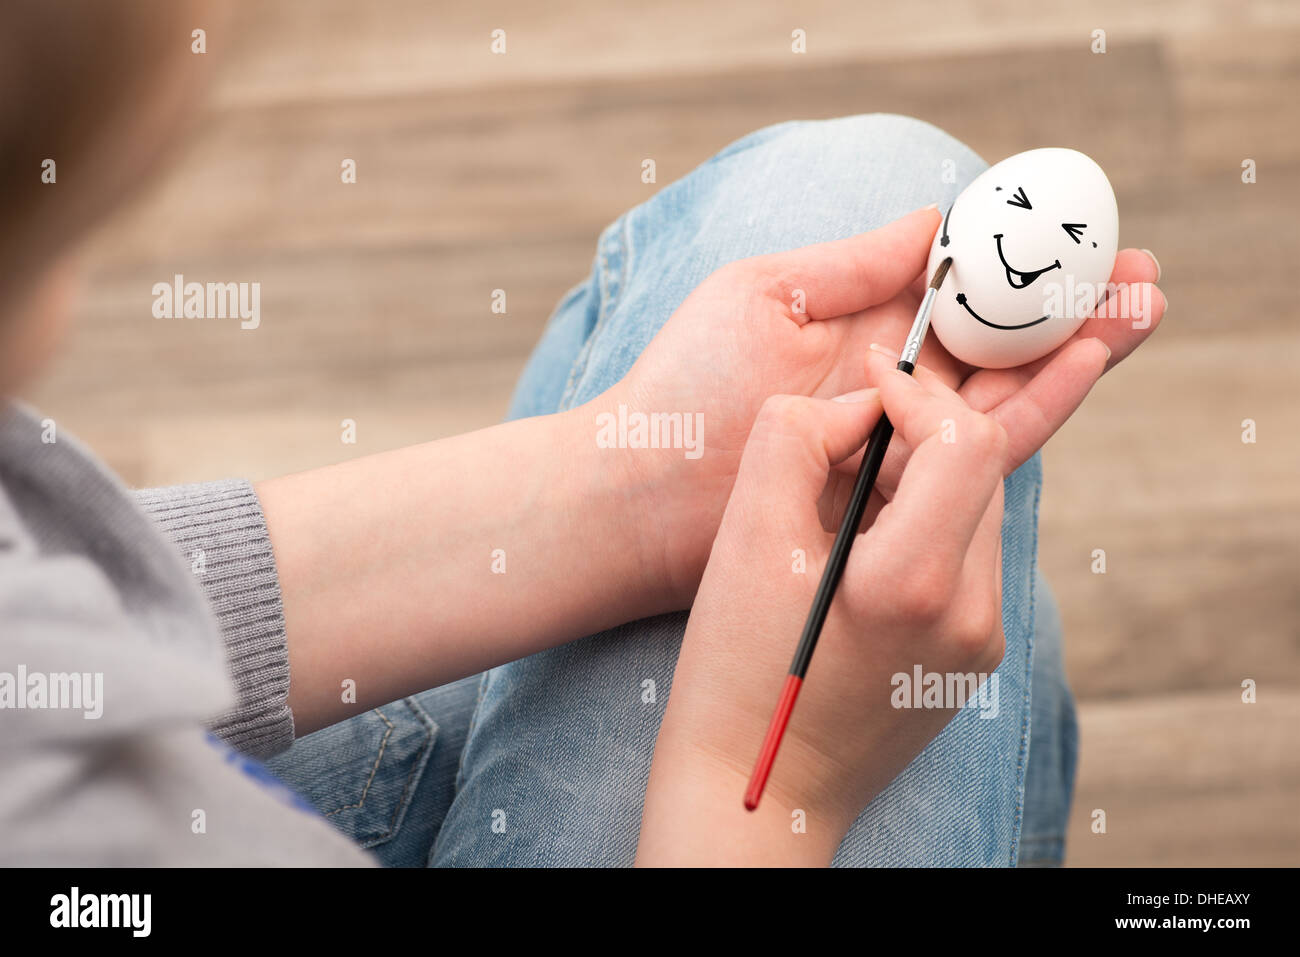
1189	780
326	318
1223	247
1237	91
1201	531
333	49
563	159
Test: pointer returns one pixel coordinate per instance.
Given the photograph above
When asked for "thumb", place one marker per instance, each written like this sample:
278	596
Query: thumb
797	440
849	275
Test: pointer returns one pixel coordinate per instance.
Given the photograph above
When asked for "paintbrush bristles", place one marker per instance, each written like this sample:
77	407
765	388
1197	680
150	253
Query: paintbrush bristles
940	272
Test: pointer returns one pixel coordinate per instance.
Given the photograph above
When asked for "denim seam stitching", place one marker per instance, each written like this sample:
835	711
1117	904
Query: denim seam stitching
1022	757
417	768
383	745
469	730
579	366
628	253
566	397
617	245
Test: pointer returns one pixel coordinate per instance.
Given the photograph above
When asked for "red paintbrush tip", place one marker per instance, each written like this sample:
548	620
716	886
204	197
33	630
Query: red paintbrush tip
775	731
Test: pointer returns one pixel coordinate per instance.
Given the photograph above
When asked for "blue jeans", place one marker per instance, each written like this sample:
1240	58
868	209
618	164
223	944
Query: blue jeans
544	761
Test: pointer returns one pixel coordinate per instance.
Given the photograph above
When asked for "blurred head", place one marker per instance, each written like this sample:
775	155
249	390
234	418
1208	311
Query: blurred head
101	89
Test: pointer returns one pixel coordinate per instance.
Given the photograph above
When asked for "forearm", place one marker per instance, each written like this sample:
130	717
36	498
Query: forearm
409	569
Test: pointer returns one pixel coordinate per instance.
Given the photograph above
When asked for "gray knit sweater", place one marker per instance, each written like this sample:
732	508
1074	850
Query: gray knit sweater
128	624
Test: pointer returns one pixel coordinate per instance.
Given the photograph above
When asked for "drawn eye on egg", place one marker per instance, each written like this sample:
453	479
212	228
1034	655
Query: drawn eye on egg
1023	235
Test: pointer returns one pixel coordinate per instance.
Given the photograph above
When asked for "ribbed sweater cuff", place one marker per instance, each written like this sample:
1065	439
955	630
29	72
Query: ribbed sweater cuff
221	532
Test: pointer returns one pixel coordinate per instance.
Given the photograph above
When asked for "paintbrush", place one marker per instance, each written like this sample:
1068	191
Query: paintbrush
839	557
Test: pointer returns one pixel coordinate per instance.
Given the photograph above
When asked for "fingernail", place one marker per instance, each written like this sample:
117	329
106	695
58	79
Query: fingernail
1106	347
862	395
884	350
936	206
1154	260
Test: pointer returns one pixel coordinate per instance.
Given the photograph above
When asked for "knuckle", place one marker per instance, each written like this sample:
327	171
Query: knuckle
971	637
747	282
922	600
782	413
774	278
986	434
735	271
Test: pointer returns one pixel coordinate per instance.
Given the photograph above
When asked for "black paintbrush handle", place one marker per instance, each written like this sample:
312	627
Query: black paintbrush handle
839	557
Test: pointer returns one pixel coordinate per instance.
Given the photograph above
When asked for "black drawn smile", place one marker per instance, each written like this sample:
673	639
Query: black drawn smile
1025	277
961	299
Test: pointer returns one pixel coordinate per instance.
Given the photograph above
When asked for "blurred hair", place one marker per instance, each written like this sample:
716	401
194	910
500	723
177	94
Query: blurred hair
97	86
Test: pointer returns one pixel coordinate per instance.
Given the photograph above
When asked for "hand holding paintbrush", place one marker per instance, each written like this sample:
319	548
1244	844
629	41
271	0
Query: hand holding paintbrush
1015	264
916	590
921	585
872	457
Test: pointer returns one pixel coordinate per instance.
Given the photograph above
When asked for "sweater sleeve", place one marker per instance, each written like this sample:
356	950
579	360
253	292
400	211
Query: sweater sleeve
221	532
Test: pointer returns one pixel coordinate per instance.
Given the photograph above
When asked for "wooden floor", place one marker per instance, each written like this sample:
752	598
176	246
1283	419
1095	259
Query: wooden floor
478	172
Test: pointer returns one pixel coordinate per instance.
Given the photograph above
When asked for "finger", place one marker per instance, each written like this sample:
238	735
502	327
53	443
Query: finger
1033	412
976	599
947	483
1130	307
1124	319
919	408
880	361
1133	267
983	556
849	275
796	440
1120	332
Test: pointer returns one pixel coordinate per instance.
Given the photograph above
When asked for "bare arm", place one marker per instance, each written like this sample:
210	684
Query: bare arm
390	572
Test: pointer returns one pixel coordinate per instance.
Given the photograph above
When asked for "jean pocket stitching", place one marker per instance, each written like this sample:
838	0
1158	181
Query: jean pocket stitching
383	746
417	768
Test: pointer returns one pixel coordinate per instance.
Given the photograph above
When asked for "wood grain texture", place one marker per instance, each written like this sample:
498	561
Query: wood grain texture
478	172
331	49
564	158
1190	780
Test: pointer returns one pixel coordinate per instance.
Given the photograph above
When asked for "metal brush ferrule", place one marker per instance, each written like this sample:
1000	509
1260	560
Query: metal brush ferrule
912	348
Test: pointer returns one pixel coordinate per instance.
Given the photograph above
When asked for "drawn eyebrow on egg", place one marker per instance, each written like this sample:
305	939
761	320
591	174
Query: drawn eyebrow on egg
1075	230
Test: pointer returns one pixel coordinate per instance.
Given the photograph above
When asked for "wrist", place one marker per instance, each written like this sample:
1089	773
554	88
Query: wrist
617	497
650	464
695	815
725	688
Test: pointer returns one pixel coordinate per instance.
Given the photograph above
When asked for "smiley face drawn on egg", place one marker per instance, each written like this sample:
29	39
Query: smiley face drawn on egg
1025	237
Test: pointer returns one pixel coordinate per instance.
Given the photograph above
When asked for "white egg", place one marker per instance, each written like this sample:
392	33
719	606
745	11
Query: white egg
1033	243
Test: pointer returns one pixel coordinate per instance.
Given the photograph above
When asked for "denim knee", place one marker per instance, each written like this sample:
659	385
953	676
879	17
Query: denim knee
776	189
847	139
791	185
884	155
